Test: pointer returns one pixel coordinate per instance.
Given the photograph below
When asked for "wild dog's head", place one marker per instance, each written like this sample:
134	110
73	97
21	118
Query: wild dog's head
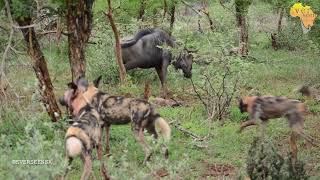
79	94
245	104
184	61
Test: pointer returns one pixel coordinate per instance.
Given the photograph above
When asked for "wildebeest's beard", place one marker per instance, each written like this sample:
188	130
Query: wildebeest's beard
184	62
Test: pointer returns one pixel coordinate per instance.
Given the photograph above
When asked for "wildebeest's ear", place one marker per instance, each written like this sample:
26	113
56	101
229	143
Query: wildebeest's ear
96	82
72	85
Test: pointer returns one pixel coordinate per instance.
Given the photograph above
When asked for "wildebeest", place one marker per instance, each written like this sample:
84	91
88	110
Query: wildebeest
271	107
144	51
118	110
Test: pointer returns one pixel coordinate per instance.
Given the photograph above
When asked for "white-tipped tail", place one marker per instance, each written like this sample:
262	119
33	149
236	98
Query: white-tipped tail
163	128
73	146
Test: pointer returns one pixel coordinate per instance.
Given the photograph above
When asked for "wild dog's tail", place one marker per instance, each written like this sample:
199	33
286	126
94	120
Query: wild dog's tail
162	128
139	35
76	140
73	147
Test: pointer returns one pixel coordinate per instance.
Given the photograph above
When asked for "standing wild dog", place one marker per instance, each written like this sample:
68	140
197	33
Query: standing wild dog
84	134
271	107
120	110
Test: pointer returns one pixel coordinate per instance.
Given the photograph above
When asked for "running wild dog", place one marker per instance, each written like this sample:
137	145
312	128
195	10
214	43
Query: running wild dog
83	136
271	107
119	110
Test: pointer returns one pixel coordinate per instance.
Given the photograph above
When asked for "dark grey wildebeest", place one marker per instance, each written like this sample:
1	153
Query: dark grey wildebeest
144	51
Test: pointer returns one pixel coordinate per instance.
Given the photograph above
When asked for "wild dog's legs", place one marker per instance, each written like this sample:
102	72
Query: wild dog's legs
69	159
246	124
138	134
253	118
263	128
294	148
103	170
87	168
107	139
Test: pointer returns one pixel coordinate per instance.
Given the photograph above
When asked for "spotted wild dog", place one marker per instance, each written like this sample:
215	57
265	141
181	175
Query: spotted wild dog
83	135
271	107
120	110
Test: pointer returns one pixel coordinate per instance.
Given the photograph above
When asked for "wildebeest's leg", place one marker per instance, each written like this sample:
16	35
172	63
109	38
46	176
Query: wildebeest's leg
103	170
138	134
107	126
87	168
162	73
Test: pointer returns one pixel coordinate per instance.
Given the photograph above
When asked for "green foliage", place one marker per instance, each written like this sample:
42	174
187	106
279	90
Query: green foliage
242	6
264	162
22	9
37	139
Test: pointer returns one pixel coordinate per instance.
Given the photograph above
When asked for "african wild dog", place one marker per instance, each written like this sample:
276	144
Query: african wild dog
120	110
271	107
83	136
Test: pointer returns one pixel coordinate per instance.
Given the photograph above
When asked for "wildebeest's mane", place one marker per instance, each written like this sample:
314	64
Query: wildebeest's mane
161	36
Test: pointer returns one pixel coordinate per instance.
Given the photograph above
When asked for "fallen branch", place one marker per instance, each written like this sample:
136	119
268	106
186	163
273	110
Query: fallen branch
186	132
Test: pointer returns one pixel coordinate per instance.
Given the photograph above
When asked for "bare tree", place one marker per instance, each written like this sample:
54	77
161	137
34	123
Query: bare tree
122	69
142	9
165	8
40	67
172	15
216	94
79	25
241	7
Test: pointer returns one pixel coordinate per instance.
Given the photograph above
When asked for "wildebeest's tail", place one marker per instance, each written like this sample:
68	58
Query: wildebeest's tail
139	35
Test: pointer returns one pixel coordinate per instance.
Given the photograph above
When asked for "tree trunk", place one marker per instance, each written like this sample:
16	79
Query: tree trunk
142	9
40	68
243	34
165	8
79	25
122	69
274	41
172	16
280	19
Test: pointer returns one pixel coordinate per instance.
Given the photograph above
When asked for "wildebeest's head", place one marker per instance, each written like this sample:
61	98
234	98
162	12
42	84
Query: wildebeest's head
78	94
184	62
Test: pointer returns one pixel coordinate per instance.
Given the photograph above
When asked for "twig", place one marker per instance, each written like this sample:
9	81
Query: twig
192	8
225	7
4	56
199	96
23	27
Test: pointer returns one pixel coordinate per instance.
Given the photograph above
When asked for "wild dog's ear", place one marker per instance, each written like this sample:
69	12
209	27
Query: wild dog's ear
72	85
82	84
62	101
96	82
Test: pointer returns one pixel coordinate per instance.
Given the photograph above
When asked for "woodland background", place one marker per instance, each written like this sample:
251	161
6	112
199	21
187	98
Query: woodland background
244	47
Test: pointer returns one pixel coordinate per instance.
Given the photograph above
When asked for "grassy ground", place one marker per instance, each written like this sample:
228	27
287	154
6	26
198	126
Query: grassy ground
222	153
